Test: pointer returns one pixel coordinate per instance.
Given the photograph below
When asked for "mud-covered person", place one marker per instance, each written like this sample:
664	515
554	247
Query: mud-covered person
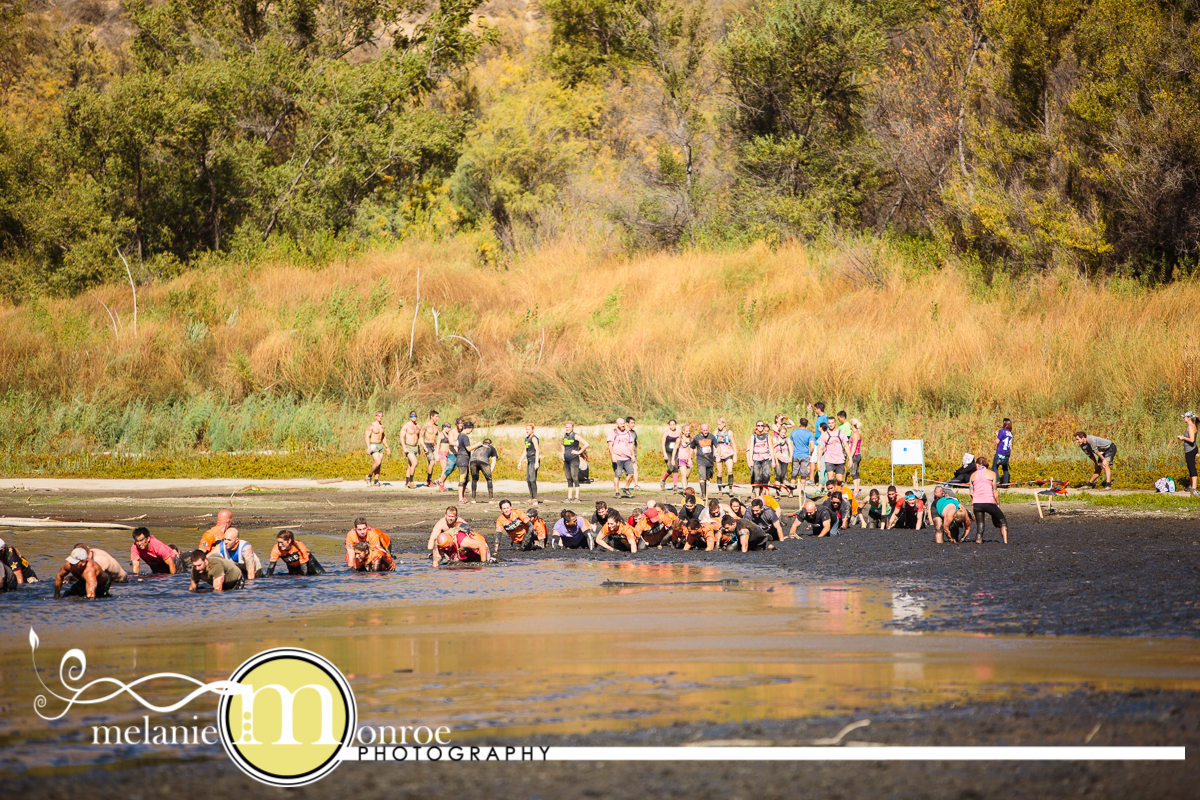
93	578
20	567
220	573
573	531
744	535
294	555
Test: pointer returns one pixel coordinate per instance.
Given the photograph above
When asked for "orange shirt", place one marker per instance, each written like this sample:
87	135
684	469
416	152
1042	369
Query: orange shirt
622	530
665	519
210	538
515	526
296	555
539	528
377	539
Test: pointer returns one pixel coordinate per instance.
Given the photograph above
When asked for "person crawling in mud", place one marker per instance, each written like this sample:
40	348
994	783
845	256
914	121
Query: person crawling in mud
516	525
93	576
221	573
378	541
448	523
294	555
463	545
616	535
743	534
657	527
366	560
11	557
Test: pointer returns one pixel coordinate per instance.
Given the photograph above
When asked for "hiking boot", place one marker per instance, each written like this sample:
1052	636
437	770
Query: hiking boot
1106	485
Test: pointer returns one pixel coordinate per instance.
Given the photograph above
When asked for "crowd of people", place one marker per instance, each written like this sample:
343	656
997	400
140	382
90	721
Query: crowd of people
785	459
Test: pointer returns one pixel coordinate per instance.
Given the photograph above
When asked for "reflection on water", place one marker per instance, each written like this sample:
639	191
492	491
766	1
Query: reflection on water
528	649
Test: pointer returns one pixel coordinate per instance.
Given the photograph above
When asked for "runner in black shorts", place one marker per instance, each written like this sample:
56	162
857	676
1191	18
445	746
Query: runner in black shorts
573	448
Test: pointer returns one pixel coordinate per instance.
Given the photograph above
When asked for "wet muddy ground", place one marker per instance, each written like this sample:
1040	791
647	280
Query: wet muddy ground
1081	573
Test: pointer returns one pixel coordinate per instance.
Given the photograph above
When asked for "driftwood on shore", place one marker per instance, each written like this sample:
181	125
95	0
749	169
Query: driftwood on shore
46	522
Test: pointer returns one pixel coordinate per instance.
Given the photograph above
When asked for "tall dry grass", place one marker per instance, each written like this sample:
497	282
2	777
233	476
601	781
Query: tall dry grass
563	332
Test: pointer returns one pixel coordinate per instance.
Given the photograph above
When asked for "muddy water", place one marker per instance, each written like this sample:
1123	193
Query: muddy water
528	649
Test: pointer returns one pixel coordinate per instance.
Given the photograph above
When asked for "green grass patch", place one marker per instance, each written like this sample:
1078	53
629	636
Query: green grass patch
1143	501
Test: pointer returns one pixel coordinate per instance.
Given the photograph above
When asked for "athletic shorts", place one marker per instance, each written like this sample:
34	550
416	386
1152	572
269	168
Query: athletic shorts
854	462
430	451
992	510
410	449
685	462
1110	454
760	472
622	468
801	467
704	472
835	469
374	448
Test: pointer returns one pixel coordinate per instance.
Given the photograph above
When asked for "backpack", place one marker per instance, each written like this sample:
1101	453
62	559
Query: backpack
1164	485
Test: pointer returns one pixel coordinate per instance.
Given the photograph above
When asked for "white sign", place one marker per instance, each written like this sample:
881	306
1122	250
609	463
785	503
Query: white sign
908	451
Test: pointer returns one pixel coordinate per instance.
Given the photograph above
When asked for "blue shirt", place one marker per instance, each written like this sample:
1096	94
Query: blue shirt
822	418
1004	443
802	439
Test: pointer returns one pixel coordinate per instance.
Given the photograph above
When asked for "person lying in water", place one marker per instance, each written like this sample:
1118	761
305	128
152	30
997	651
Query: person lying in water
294	555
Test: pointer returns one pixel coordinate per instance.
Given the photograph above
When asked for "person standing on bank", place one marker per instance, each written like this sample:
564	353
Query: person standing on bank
533	459
1189	448
1004	438
573	449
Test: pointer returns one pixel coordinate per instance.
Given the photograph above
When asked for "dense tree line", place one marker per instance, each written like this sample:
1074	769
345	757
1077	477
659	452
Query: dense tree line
1018	135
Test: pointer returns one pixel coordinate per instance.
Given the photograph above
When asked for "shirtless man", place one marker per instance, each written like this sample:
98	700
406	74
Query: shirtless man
429	443
448	522
94	578
217	532
376	446
461	544
410	442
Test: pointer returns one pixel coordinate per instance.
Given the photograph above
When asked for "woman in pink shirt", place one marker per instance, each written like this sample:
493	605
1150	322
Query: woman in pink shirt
984	500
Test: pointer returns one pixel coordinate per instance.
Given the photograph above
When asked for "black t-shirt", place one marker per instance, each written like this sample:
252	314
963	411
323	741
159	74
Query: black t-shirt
9	556
464	444
756	534
8	581
483	453
824	512
690	516
766	521
705	445
598	520
570	447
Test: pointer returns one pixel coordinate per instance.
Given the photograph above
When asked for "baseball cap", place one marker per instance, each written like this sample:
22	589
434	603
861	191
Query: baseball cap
652	514
78	556
1188	415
